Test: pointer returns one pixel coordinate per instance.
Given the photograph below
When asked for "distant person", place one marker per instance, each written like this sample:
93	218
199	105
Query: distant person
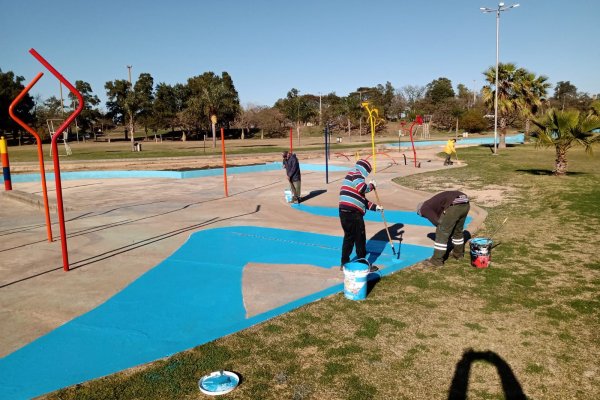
448	212
352	207
449	149
292	169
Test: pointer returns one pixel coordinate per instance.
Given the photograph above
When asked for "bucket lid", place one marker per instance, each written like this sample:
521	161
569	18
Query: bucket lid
218	382
481	241
356	266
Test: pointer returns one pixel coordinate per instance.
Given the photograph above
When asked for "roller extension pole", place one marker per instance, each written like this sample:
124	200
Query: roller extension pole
385	223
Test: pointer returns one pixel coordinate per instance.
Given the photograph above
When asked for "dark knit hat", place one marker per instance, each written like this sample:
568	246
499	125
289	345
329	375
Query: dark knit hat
364	167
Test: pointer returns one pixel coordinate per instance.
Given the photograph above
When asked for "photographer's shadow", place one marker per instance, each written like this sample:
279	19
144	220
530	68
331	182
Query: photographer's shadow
460	382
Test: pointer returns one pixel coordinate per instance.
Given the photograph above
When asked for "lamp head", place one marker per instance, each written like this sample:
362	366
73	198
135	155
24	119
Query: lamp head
500	4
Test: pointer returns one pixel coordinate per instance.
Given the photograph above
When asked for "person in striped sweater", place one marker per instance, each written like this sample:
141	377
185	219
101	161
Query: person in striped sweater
448	212
352	207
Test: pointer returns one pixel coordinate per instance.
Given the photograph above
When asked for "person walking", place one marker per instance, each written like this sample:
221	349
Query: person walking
292	169
449	149
352	207
448	212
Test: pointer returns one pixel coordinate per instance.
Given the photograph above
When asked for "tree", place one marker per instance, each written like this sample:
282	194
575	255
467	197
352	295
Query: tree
211	95
164	107
117	92
565	94
438	90
413	94
508	76
143	92
10	87
563	130
89	114
465	95
473	120
531	90
270	120
296	108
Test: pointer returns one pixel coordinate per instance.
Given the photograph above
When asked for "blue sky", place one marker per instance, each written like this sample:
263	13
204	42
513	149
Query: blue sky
269	47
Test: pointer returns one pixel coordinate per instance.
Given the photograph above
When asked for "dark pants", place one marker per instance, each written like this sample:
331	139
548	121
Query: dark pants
452	224
448	161
353	225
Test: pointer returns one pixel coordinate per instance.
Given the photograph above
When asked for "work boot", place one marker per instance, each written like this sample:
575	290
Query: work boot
433	262
457	256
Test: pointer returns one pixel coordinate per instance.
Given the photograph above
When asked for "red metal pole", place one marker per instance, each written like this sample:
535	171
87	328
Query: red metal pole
65	124
224	161
413	143
291	140
38	140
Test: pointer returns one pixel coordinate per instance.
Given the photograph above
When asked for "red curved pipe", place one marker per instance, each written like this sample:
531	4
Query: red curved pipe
38	140
413	142
65	124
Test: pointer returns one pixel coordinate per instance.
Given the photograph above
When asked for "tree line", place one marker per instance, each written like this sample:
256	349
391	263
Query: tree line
209	101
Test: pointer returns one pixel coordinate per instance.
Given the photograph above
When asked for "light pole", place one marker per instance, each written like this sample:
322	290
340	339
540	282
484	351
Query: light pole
320	114
130	113
501	7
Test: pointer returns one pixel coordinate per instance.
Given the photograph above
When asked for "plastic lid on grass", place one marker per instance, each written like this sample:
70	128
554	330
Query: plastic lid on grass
218	382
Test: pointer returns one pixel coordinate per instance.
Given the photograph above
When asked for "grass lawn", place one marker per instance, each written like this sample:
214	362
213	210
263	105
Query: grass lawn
532	318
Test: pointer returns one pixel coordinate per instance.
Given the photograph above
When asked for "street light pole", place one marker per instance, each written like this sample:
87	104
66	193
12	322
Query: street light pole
131	114
320	114
501	7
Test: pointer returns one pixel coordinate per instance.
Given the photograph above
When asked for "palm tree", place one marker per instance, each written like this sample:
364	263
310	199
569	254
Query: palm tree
563	130
531	90
508	76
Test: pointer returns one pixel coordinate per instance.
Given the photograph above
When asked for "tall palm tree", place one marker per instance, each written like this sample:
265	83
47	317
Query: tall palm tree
530	90
508	76
563	130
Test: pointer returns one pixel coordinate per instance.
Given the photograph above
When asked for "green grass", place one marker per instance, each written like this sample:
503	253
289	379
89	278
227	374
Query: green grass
536	307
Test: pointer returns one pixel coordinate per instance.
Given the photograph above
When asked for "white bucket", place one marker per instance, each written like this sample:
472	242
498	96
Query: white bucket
288	195
355	280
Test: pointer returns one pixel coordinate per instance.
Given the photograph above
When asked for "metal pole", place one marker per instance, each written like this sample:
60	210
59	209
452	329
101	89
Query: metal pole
58	184
326	155
496	88
224	157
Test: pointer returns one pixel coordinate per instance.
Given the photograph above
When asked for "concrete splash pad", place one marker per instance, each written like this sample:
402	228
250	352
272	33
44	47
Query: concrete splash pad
188	300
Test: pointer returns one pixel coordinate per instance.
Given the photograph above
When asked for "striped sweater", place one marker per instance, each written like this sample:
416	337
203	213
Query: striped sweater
352	194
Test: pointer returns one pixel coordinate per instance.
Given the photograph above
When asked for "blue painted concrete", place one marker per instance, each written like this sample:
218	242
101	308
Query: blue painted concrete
519	138
191	298
391	216
77	175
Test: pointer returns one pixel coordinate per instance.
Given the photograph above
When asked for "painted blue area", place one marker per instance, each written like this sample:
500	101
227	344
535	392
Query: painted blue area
391	216
189	299
520	138
77	175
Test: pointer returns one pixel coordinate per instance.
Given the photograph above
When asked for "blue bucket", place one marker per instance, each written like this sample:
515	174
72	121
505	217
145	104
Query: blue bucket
355	280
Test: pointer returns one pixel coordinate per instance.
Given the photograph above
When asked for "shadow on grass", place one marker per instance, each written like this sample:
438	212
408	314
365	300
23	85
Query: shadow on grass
460	382
547	172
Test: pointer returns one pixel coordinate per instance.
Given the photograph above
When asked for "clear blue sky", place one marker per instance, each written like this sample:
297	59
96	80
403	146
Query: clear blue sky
269	47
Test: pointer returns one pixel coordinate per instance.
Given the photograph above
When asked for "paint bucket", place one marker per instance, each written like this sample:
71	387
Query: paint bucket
288	195
481	252
355	280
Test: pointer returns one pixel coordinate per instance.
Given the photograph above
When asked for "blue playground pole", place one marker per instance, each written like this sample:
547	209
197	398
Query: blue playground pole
326	154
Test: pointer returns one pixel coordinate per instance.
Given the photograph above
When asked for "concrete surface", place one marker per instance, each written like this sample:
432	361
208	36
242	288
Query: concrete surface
119	229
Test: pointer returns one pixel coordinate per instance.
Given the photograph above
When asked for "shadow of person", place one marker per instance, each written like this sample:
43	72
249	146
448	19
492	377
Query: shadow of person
460	382
313	193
